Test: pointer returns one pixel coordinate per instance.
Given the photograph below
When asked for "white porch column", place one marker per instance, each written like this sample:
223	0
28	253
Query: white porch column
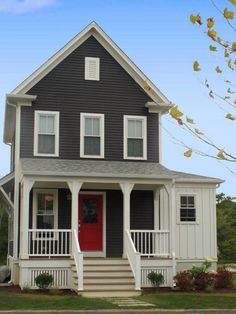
74	187
24	219
126	188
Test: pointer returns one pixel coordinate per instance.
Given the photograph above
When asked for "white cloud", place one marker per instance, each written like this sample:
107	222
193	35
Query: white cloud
24	6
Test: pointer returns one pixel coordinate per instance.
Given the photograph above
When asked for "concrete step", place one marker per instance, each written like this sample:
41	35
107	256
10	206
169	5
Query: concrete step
108	280
110	287
110	293
105	261
115	267
98	273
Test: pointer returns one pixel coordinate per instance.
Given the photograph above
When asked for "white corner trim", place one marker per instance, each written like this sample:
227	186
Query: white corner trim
87	72
56	114
125	138
101	117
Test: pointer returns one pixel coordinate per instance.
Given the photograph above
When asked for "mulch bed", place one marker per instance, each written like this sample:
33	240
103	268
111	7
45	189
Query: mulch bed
17	289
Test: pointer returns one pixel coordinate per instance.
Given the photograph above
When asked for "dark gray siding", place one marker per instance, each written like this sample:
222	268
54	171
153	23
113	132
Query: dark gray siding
64	89
142	210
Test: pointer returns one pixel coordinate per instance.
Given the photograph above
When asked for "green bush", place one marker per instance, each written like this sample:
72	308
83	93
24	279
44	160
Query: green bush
43	281
156	279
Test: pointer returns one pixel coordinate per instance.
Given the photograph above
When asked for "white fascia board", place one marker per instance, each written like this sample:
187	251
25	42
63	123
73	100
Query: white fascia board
12	101
109	45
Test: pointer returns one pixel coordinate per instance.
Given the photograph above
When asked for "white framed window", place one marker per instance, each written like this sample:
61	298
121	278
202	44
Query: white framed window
46	133
187	208
45	209
92	135
92	69
135	137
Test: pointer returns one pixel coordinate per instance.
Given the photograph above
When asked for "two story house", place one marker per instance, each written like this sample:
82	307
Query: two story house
88	199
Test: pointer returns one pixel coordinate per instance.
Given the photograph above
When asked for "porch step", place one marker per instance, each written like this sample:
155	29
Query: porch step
106	277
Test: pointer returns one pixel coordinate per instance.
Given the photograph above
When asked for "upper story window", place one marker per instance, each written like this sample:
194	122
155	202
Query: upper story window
92	69
46	133
187	208
92	135
135	137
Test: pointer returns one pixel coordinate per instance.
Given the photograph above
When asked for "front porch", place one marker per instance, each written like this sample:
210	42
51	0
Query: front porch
130	228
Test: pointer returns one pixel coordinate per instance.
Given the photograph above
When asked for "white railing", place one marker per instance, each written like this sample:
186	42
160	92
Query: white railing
49	242
134	260
151	242
78	257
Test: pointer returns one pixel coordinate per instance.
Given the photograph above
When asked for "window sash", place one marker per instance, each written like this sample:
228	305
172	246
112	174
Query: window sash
187	208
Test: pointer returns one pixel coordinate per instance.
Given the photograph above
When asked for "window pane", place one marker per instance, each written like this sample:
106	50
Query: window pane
135	147
138	126
88	126
45	222
183	200
135	128
45	203
46	124
42	124
90	211
131	128
91	145
96	126
46	144
191	201
50	124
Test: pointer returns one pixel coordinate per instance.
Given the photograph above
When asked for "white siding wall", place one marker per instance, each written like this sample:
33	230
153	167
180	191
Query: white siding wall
193	241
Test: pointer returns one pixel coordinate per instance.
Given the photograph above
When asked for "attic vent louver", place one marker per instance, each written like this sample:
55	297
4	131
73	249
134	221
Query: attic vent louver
92	70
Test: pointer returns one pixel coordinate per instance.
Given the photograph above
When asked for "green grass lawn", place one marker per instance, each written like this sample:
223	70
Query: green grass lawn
182	300
27	301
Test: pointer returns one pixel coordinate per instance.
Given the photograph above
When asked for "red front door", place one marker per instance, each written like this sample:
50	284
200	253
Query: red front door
90	222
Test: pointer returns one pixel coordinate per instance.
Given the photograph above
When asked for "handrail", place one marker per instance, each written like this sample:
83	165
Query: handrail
134	260
78	257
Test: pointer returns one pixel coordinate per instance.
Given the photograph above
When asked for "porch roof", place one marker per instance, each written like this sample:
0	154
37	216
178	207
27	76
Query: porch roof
5	201
107	169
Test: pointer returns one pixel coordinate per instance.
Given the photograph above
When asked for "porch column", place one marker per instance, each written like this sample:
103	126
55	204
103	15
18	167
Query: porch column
24	219
74	187
126	190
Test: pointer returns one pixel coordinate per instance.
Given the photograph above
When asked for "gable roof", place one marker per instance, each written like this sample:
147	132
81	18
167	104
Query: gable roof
94	30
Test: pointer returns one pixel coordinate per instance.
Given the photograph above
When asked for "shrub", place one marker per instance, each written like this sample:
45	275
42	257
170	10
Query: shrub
199	269
156	278
43	281
184	280
203	280
223	278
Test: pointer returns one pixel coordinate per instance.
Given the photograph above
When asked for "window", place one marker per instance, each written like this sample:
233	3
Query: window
92	69
46	133
135	137
45	209
187	208
92	135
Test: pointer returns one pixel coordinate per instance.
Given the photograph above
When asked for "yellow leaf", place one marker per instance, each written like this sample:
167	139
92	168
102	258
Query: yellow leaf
212	48
226	55
233	46
188	153
229	15
196	66
210	22
221	154
189	120
197	131
230	116
218	70
146	86
232	2
195	19
175	112
212	34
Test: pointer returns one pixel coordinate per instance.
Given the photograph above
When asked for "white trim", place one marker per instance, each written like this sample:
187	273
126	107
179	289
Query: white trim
104	212
55	206
195	196
84	115
144	137
56	114
87	69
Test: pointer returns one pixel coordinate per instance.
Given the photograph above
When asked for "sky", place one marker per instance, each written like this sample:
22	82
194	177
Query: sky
157	36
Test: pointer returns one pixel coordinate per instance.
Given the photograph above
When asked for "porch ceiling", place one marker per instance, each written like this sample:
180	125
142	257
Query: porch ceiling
106	169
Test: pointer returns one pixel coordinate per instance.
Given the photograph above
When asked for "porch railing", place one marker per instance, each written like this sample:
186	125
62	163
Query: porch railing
151	242
49	242
78	257
134	259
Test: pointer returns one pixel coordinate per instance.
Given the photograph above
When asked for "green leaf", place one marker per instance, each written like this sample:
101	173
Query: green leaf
230	117
212	48
229	63
226	54
195	19
196	66
197	131
189	120
212	34
218	70
229	15
211	94
175	112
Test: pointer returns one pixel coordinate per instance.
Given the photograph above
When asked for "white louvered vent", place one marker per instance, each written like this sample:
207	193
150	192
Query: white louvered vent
92	66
